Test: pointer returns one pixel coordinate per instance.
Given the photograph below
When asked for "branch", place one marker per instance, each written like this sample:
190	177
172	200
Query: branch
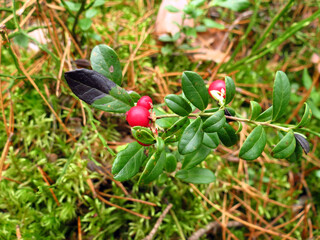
158	223
213	226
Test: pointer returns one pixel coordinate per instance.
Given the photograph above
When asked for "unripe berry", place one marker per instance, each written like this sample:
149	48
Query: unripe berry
145	102
138	116
218	85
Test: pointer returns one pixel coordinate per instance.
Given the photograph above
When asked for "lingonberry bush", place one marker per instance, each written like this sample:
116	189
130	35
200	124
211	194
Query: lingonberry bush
190	131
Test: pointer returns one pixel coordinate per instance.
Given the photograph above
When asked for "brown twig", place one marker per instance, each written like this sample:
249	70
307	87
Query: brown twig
158	223
124	209
214	227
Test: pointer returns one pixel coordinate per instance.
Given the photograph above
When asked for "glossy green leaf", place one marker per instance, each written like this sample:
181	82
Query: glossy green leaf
118	101
266	115
255	110
164	122
105	61
240	126
143	134
285	147
155	164
178	105
214	122
191	138
254	144
192	159
196	175
176	130
296	155
128	162
306	118
171	163
227	135
134	95
153	168
195	89
230	89
211	140
281	95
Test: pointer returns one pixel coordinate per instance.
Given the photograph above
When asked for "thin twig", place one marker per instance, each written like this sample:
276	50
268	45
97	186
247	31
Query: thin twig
158	223
214	227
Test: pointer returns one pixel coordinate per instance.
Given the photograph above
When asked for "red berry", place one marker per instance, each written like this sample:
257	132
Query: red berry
145	101
138	116
218	85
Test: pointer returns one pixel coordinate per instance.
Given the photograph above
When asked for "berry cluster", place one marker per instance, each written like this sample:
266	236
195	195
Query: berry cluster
139	115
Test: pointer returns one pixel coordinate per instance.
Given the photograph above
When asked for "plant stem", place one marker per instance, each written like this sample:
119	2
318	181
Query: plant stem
82	8
259	123
268	124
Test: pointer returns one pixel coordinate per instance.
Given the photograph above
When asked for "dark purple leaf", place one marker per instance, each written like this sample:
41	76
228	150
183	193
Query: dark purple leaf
303	143
88	85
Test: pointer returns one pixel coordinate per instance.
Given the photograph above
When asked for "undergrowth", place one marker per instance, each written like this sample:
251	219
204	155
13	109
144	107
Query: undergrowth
41	199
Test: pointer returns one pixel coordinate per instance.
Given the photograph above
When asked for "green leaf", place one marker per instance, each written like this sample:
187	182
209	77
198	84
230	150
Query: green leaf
165	38
196	175
172	9
201	28
191	138
230	89
175	131
306	79
253	146
91	13
255	110
105	61
118	101
197	3
178	105
22	40
143	134
214	122
211	140
85	24
266	115
240	126
227	135
281	95
128	161
154	165
164	122
75	7
306	116
190	31
134	95
209	23
285	147
192	159
296	155
195	90
234	5
171	163
98	3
